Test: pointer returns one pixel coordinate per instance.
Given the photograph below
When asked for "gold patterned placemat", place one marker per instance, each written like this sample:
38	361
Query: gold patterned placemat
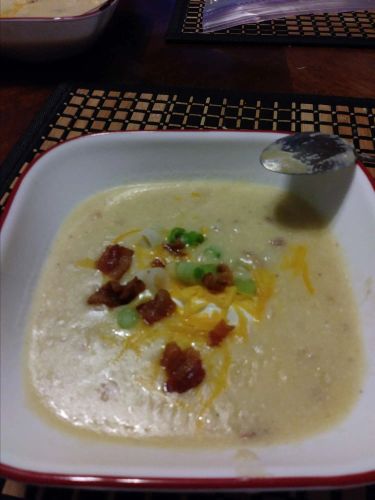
347	29
73	111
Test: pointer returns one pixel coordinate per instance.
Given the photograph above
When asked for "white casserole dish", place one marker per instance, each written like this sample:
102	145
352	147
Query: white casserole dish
47	38
33	451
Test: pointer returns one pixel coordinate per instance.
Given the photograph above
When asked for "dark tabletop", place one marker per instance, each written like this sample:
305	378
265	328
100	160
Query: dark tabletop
134	50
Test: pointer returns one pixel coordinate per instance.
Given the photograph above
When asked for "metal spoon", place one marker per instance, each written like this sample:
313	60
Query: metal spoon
308	153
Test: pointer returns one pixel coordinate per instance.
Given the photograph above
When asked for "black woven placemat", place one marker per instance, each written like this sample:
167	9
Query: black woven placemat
39	493
346	29
77	110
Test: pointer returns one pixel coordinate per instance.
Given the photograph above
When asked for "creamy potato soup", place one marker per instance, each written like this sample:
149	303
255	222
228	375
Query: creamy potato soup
195	310
46	8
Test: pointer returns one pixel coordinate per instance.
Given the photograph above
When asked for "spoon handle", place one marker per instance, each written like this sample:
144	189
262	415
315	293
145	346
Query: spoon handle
369	160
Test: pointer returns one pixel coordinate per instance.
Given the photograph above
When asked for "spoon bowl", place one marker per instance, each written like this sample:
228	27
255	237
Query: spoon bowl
308	153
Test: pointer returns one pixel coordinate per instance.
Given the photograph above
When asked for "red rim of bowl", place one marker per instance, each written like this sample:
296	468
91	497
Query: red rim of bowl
89	13
183	483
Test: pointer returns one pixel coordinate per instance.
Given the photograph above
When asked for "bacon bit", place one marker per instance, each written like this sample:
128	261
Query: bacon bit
115	261
108	390
277	242
248	435
112	294
131	290
157	308
157	263
217	283
176	248
106	295
218	333
183	367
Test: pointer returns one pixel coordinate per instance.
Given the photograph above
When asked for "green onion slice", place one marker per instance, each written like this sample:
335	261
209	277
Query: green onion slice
175	234
192	273
246	286
212	252
127	317
192	238
185	272
203	269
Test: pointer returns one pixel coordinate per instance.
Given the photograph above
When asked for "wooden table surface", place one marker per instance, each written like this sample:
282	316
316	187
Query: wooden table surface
134	50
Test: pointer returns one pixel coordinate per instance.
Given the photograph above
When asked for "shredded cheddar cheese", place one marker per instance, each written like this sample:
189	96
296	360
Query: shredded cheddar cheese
198	312
296	261
85	263
221	359
123	236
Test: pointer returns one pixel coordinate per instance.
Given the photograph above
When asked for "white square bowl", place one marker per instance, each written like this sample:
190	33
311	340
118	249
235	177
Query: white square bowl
33	451
48	38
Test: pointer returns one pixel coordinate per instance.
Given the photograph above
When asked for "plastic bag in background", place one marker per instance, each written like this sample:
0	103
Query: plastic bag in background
222	14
